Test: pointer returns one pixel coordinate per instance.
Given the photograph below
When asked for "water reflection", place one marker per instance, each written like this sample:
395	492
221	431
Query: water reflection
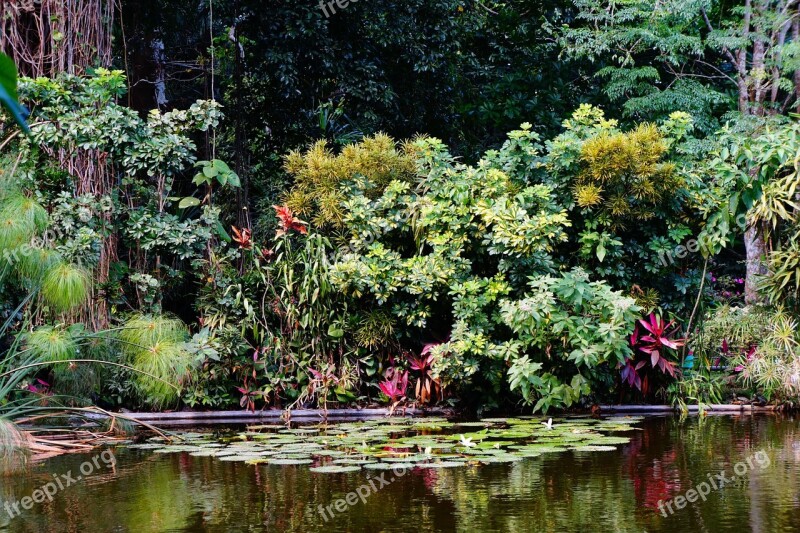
598	491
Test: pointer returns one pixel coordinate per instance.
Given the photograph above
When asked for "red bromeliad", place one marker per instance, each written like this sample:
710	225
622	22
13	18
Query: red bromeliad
288	221
242	237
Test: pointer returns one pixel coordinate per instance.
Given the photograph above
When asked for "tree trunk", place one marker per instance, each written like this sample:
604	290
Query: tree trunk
756	250
748	89
160	83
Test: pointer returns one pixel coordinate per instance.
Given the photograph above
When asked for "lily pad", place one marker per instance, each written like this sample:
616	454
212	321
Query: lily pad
595	448
288	462
499	459
389	466
335	469
441	464
240	458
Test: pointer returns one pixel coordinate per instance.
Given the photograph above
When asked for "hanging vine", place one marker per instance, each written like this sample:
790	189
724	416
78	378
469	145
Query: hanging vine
51	37
48	37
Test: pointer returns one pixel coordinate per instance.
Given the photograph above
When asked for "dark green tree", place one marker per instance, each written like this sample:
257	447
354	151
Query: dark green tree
700	56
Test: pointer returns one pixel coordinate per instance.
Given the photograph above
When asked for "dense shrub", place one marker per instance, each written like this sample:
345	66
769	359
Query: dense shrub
446	259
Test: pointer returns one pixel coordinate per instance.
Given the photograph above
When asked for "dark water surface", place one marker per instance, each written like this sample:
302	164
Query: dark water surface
599	491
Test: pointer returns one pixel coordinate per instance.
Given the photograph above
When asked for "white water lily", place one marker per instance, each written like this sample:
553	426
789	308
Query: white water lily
467	442
548	424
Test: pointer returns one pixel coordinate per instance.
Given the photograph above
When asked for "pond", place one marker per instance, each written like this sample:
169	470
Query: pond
715	474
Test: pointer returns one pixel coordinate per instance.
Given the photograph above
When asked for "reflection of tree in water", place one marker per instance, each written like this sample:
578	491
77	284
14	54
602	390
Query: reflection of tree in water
676	456
558	492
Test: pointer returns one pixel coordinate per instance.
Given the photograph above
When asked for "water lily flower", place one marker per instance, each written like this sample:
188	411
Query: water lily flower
467	442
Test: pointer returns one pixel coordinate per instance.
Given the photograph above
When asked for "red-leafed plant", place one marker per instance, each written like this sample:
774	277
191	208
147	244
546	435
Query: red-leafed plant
630	373
250	394
395	385
747	358
288	221
427	385
652	341
40	387
243	237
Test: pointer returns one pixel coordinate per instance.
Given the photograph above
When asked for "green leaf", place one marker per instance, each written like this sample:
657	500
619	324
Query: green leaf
335	332
733	203
189	201
221	166
233	179
210	171
222	233
200	179
8	76
601	252
8	91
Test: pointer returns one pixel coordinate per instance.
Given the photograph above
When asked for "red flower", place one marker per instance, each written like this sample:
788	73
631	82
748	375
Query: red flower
288	221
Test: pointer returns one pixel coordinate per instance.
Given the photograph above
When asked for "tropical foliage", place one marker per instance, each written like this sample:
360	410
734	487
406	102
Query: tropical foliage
477	222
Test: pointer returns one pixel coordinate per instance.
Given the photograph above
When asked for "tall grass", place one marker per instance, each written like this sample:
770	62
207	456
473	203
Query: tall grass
52	344
65	286
20	219
155	346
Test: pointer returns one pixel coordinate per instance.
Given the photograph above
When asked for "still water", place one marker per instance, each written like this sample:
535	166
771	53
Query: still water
568	491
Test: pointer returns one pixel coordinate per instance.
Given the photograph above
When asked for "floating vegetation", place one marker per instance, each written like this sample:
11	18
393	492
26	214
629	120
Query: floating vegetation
389	466
285	462
335	469
440	464
403	443
594	448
